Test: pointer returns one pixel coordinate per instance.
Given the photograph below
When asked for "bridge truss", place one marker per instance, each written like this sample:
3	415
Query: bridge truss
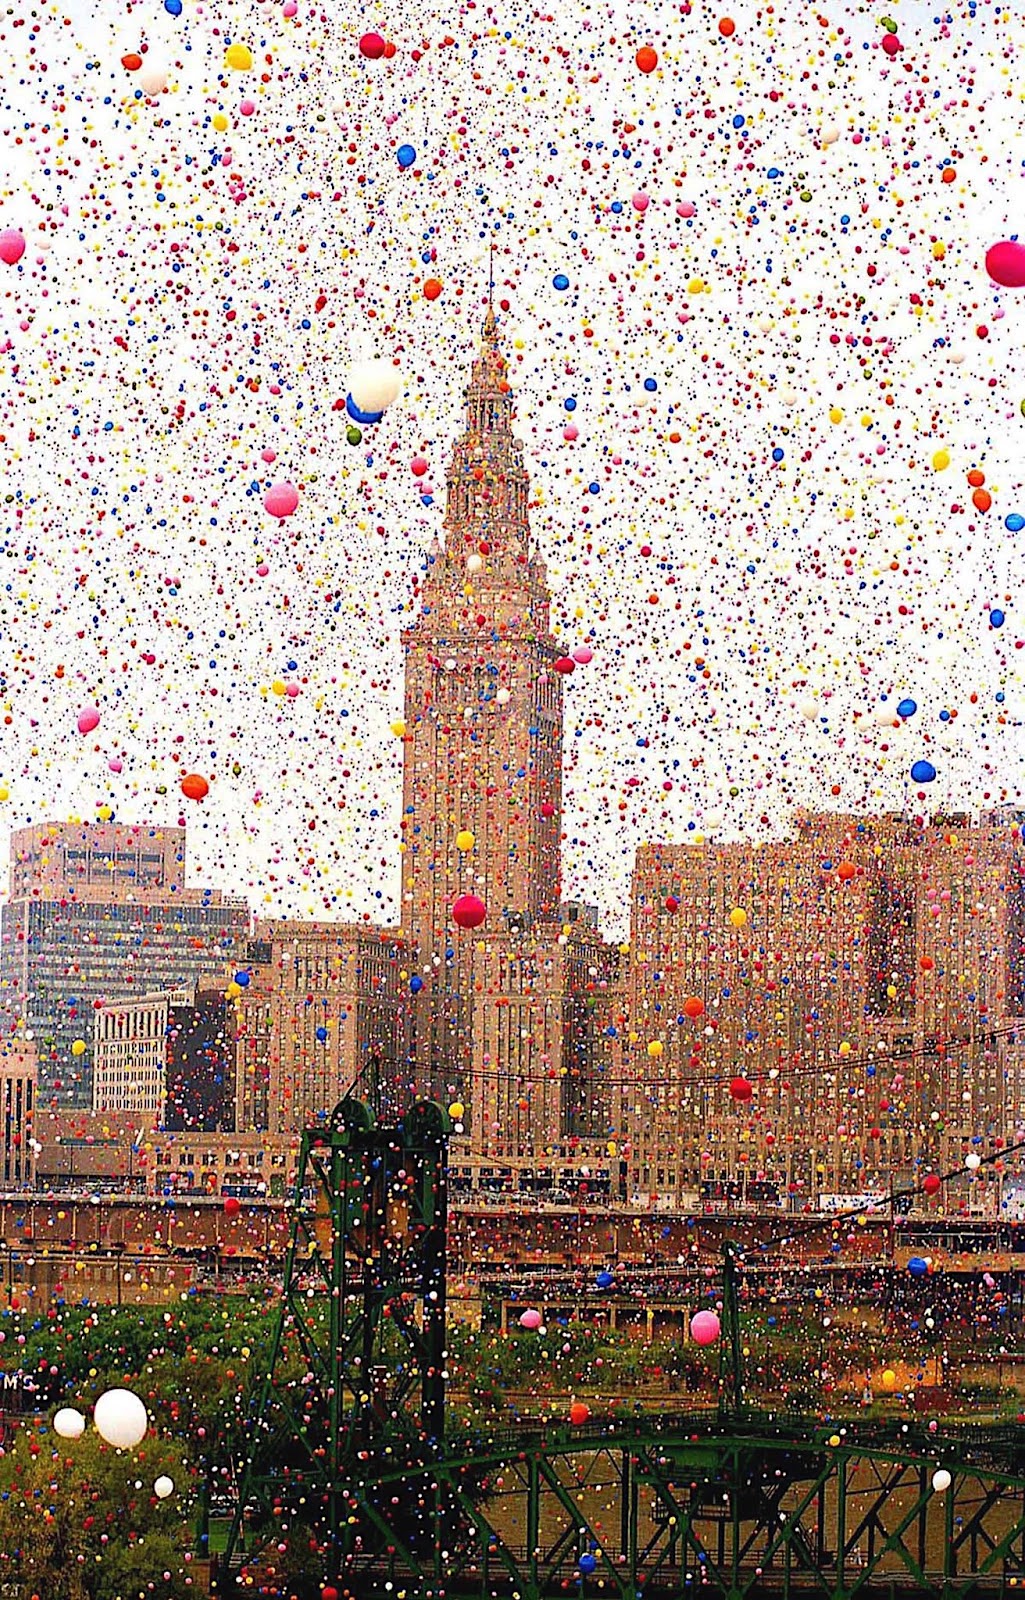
351	1445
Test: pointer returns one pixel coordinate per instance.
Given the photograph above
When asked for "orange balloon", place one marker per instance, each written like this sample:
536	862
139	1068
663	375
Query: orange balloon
579	1413
845	871
982	499
195	786
693	1006
976	478
646	58
727	26
432	288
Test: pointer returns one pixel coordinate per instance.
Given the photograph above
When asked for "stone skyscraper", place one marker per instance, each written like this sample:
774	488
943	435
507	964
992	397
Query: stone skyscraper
504	1009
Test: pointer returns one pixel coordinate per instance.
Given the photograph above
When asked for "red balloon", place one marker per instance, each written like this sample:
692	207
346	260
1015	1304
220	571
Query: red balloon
693	1006
740	1089
195	786
468	911
565	664
547	808
672	904
579	1413
891	45
329	1593
932	1183
231	1206
1005	263
372	46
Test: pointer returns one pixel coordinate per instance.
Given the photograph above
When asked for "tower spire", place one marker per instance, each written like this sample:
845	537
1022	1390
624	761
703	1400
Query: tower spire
490	325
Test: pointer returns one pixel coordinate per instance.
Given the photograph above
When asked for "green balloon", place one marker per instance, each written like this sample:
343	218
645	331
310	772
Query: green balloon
353	436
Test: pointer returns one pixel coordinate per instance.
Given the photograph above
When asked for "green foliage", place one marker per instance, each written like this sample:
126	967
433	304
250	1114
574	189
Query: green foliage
80	1521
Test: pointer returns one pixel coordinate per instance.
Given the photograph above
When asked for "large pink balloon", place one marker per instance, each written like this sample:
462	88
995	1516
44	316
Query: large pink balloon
281	499
704	1327
1005	263
88	719
531	1320
12	246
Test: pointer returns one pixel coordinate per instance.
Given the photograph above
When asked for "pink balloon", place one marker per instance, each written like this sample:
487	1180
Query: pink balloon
531	1320
418	466
570	433
281	499
247	108
583	654
292	689
114	764
88	719
686	208
1005	263
12	246
262	570
704	1327
641	201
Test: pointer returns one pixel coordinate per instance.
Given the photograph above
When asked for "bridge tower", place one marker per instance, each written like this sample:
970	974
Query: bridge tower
356	1370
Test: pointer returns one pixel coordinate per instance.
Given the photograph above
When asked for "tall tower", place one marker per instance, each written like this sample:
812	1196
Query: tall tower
483	716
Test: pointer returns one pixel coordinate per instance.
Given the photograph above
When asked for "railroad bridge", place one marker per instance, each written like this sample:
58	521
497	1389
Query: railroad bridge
351	1443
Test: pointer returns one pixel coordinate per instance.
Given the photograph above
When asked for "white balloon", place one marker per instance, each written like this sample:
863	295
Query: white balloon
153	80
810	710
374	384
830	135
973	1162
120	1418
474	563
503	697
163	1487
941	1480
69	1423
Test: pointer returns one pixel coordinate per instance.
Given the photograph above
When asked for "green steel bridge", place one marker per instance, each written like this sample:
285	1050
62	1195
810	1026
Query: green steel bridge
351	1445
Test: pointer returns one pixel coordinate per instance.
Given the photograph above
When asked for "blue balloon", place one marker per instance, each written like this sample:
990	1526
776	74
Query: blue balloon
560	281
907	708
917	1267
242	979
1014	522
923	772
365	417
173	7
416	983
650	385
604	1280
587	1563
996	618
406	155
322	1035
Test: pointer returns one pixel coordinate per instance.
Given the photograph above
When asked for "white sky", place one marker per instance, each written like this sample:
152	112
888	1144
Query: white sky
104	344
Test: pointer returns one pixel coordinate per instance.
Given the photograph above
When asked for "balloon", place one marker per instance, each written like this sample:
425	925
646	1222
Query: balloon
163	1487
238	57
996	619
416	983
232	1207
465	840
69	1423
374	384
646	58
329	1593
418	466
918	1266
78	1047
153	80
587	1562
890	44
468	911
120	1418
457	1110
655	1049
693	1007
366	418
727	26
923	772
281	499
582	655
741	1090
579	1413
907	708
1005	263
531	1320
432	288
194	786
372	46
705	1327
406	155
88	719
972	1161
604	1280
889	1379
738	917
941	1480
931	1183
12	246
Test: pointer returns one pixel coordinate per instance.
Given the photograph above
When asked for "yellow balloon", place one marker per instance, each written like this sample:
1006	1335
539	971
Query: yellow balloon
941	460
845	1049
78	1047
655	1049
835	414
456	1110
889	1379
219	121
465	839
399	729
279	686
239	57
738	917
